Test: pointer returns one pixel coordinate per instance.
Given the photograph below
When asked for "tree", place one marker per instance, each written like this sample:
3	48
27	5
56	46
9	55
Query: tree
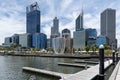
106	46
13	46
93	48
87	49
79	49
67	50
73	49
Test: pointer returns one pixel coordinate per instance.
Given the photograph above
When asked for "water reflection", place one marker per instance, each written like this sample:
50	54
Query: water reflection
11	67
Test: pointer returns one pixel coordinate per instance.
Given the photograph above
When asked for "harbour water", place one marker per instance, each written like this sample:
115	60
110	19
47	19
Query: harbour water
11	67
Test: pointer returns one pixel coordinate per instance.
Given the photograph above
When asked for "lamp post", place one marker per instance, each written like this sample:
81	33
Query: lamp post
101	64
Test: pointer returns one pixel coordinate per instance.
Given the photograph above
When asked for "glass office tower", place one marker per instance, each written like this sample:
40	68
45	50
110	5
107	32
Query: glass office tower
108	26
33	18
39	40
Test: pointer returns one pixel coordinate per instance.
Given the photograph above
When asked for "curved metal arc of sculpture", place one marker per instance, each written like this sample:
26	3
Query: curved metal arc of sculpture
59	45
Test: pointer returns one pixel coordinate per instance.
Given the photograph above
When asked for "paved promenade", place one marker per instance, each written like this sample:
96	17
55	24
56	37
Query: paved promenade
118	72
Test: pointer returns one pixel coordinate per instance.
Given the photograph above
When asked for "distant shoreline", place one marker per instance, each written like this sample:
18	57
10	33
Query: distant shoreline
77	56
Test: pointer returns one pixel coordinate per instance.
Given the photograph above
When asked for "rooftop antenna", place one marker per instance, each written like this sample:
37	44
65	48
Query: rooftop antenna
56	15
82	12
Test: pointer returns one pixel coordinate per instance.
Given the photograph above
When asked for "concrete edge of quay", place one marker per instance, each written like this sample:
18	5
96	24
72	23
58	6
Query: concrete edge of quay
58	56
74	65
45	72
115	72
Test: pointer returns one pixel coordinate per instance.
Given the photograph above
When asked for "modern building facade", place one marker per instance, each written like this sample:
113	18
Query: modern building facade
25	40
108	25
91	42
102	40
8	41
33	18
48	43
67	35
39	41
79	22
79	39
15	39
91	35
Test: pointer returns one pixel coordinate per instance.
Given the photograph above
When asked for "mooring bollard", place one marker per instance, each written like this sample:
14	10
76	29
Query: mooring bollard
101	65
117	57
113	56
86	66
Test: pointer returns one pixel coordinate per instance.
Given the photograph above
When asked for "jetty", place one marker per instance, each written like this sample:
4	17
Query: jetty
75	65
88	62
87	74
45	72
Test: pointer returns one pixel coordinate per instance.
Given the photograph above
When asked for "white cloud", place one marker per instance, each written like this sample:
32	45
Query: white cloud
12	14
92	21
11	21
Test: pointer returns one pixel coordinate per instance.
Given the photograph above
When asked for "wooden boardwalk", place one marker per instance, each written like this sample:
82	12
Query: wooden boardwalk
87	74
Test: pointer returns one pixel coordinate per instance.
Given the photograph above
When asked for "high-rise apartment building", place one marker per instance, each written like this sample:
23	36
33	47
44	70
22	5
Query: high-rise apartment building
33	18
108	26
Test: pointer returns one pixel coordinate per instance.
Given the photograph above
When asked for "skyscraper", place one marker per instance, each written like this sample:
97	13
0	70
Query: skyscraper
55	28
33	18
79	36
108	25
79	22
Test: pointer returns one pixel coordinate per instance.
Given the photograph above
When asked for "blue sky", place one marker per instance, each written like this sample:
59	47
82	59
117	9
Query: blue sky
13	15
